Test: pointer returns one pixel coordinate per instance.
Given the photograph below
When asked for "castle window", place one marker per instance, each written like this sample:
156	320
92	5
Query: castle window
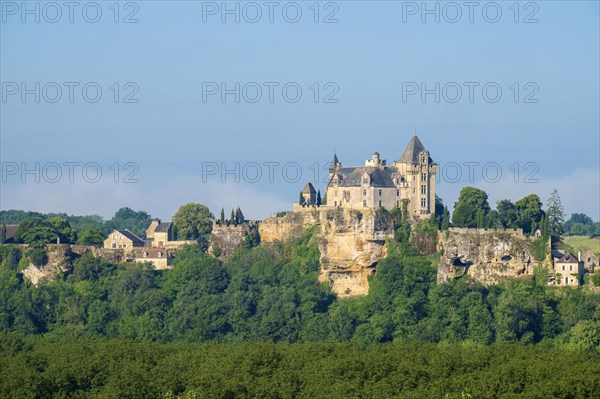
414	190
397	203
422	159
114	236
160	254
365	180
379	192
124	245
397	193
114	245
571	268
563	267
364	192
145	254
364	204
423	176
423	202
423	189
379	203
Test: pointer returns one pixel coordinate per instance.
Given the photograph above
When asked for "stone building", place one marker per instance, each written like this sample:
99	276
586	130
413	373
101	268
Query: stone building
590	261
411	177
123	239
159	233
568	270
159	257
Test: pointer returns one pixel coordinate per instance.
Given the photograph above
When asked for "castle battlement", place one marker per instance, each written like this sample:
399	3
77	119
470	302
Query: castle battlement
515	232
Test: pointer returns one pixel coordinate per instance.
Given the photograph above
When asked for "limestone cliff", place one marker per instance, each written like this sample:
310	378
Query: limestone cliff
351	243
59	262
488	256
225	240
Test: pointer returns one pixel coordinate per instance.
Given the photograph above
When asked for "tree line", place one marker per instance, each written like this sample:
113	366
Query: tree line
55	367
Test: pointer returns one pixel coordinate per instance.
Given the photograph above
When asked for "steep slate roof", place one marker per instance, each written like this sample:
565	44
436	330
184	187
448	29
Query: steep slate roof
411	153
309	189
568	258
162	227
131	236
352	177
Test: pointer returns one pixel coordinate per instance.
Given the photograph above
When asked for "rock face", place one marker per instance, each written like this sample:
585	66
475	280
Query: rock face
59	262
489	256
225	240
351	243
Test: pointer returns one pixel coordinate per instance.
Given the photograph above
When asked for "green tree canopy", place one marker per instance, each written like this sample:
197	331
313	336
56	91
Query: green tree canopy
470	201
194	222
92	236
507	214
63	229
529	212
36	231
127	218
555	215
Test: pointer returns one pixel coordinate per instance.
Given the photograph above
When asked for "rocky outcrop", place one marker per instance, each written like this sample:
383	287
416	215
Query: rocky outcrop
351	243
225	240
488	256
59	262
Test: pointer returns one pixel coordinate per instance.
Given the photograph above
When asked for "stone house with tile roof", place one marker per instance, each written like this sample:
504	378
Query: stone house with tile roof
123	239
159	257
568	270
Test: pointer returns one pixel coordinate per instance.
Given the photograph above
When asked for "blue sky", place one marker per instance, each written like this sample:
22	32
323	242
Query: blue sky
366	62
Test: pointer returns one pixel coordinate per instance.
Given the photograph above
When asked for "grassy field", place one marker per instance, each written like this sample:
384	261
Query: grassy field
581	243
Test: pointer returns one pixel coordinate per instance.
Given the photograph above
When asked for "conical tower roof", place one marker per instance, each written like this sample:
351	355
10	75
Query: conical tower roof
411	153
309	189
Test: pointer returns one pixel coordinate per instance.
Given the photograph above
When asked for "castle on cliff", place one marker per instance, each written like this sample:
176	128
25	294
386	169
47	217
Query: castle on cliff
376	184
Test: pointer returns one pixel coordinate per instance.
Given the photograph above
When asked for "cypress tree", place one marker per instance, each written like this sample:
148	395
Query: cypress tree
318	197
3	237
301	199
446	219
232	218
222	220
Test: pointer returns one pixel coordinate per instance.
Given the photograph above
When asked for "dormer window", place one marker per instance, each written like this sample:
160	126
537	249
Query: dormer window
423	159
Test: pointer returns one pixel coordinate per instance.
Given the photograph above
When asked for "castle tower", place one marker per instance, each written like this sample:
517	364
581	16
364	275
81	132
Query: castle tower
310	194
419	171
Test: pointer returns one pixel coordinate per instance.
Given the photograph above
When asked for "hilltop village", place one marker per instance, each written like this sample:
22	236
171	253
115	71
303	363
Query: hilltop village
356	221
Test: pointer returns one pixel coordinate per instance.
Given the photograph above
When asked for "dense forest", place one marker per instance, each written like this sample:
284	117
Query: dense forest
52	367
